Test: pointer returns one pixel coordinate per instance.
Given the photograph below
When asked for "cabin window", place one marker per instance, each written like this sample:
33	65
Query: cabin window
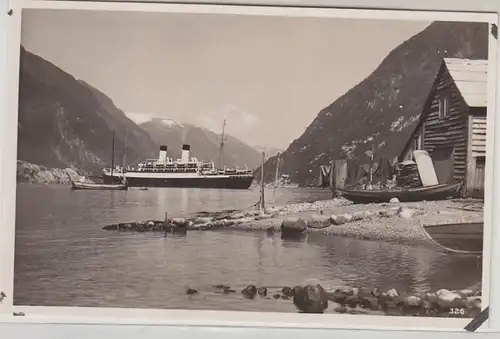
444	107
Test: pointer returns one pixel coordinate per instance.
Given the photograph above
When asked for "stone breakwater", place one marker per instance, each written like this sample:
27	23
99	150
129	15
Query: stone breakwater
395	221
313	298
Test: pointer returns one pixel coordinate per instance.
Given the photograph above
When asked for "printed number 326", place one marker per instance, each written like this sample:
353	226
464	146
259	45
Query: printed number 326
457	311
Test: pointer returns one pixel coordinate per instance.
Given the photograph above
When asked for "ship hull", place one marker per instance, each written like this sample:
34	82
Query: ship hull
219	182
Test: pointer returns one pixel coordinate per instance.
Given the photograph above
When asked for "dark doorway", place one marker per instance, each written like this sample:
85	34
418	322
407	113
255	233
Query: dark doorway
443	164
479	177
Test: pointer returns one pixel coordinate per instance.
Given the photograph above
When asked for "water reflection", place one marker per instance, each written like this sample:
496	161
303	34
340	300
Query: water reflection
63	258
292	239
413	269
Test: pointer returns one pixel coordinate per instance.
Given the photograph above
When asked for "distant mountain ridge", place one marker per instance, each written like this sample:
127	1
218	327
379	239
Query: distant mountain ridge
383	109
66	123
205	144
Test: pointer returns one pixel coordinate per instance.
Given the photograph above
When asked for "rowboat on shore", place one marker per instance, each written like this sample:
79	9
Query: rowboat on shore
92	186
429	193
466	238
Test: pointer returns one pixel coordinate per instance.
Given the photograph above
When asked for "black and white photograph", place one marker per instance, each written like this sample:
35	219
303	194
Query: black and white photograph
253	163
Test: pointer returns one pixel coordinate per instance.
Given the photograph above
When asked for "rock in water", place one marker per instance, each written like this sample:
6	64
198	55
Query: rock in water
446	298
473	302
318	221
262	291
293	225
287	291
412	301
394	200
310	298
249	292
392	293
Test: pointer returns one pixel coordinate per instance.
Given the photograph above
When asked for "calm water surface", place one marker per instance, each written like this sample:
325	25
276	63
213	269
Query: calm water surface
63	258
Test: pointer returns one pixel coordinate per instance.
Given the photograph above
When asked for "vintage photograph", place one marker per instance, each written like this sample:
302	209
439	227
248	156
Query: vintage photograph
211	161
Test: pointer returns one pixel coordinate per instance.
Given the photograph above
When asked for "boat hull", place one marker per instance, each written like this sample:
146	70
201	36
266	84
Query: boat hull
457	237
429	193
98	187
218	182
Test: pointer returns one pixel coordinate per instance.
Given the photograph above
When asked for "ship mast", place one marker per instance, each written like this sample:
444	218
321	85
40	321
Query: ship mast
221	152
125	153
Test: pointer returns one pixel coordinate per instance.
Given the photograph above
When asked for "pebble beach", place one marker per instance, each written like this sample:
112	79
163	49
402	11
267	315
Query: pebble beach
393	221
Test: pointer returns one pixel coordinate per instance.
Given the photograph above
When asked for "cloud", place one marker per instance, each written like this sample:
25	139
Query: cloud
241	120
238	122
209	122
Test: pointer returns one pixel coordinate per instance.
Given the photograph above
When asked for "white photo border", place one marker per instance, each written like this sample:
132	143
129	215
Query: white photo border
94	315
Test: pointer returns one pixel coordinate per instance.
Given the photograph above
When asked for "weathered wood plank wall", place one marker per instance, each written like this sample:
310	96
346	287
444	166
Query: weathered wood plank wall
451	132
478	136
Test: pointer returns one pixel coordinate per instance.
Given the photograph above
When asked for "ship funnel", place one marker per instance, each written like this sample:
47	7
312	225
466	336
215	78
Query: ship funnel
185	153
163	155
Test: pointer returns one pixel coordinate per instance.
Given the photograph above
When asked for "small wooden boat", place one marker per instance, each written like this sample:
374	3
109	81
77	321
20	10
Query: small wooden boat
434	192
92	186
464	238
82	185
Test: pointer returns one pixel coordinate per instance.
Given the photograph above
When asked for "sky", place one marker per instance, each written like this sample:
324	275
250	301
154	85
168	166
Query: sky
267	76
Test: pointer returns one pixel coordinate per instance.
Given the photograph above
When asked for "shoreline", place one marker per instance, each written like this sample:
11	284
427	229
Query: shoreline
318	298
393	222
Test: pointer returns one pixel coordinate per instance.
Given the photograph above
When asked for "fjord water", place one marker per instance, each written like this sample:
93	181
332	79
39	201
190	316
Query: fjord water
64	258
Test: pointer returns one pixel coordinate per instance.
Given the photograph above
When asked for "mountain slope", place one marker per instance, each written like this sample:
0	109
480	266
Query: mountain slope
269	151
383	108
205	144
66	123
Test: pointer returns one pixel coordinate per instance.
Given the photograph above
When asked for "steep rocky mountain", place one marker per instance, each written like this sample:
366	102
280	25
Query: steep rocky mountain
66	123
383	109
205	144
35	174
269	151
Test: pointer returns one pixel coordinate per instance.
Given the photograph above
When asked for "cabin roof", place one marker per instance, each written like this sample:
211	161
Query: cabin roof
471	77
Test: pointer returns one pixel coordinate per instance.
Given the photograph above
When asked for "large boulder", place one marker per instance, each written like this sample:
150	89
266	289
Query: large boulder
293	225
338	219
203	220
447	299
249	292
318	221
310	298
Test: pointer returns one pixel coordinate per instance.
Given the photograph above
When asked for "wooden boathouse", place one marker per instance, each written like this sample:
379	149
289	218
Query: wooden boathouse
452	126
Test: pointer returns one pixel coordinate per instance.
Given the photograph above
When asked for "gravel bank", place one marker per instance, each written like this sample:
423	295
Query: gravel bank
397	222
377	221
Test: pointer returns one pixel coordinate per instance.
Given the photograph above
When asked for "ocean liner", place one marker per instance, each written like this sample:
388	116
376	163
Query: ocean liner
185	172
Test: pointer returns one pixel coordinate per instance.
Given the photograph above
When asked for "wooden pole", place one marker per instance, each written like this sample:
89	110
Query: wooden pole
262	203
332	173
276	178
125	149
371	166
125	154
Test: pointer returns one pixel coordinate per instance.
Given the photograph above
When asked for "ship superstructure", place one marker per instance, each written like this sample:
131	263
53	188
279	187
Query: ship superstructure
184	172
